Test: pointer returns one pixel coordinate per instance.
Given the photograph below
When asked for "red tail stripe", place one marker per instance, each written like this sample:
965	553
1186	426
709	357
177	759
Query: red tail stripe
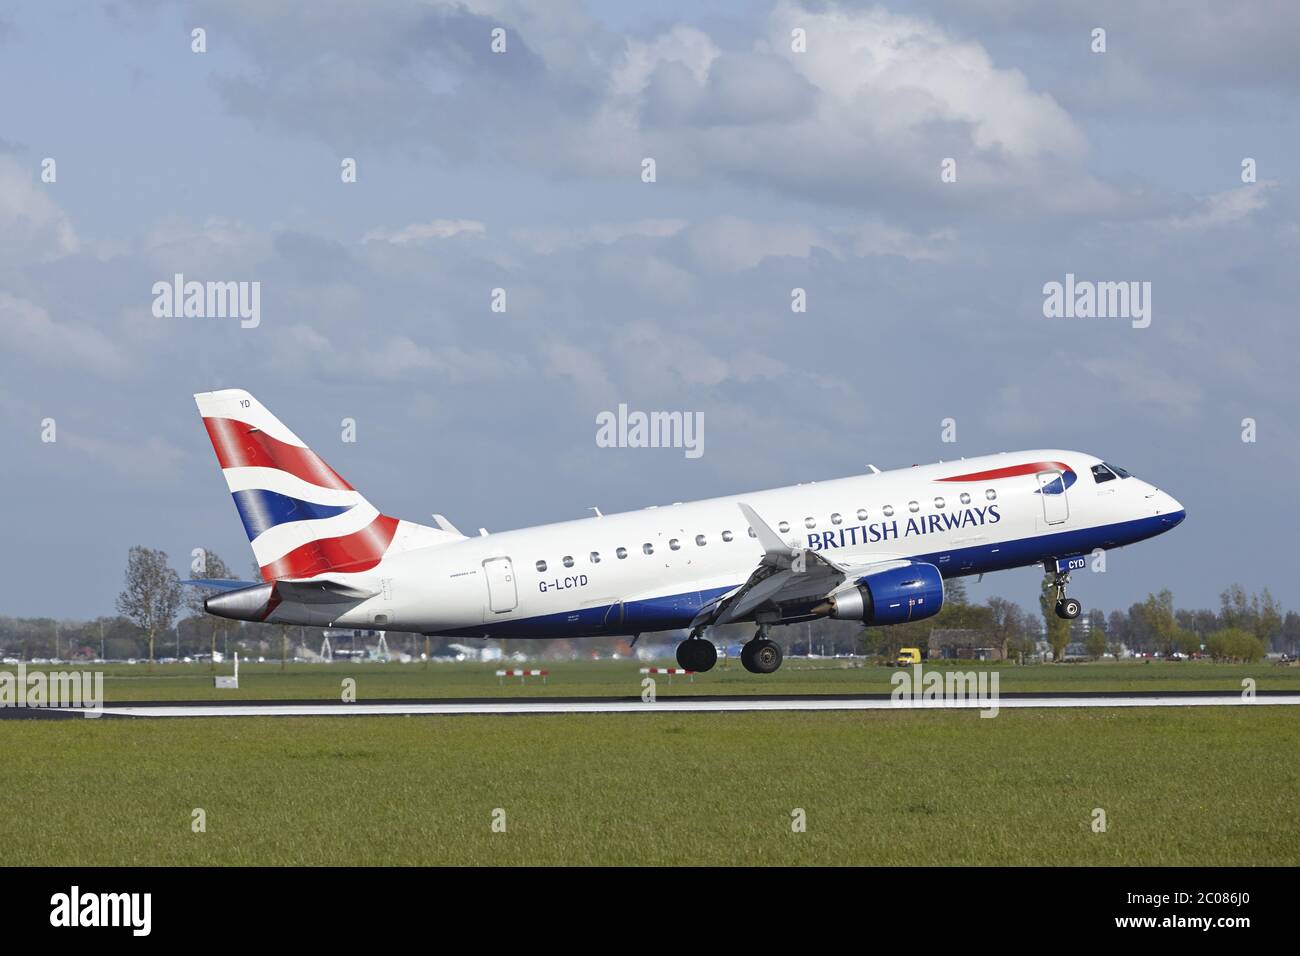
358	551
1030	469
239	446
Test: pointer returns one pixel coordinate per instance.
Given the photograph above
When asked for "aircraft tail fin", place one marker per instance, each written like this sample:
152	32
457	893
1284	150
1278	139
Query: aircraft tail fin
302	518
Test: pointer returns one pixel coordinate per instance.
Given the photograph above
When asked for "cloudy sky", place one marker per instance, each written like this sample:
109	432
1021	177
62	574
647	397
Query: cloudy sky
775	169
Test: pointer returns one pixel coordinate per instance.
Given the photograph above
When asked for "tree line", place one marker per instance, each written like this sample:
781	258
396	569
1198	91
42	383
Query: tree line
1245	627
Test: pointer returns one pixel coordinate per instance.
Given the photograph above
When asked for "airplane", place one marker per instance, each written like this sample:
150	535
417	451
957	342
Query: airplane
873	548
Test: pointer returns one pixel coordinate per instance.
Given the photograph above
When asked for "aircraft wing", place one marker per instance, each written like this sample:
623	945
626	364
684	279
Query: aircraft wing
796	578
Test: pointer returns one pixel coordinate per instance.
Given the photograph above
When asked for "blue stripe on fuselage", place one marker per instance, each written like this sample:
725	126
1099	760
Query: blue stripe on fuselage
677	610
260	509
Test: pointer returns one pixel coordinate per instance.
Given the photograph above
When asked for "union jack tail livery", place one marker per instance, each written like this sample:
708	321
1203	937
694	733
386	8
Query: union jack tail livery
301	517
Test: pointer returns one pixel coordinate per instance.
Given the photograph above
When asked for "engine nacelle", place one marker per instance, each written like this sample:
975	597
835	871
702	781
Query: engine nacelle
895	596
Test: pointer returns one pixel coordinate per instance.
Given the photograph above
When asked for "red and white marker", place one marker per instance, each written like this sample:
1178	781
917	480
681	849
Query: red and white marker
670	671
522	674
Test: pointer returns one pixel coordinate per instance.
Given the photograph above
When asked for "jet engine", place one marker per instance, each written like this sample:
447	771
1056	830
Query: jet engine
897	595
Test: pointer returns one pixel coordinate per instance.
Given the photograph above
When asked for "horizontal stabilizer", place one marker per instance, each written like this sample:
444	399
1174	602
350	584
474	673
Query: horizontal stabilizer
445	525
220	584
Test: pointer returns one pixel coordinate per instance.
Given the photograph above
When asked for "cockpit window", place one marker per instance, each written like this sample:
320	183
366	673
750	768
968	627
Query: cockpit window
1117	469
1101	473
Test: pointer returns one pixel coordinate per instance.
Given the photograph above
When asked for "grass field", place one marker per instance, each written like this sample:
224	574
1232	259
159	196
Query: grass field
1204	786
621	679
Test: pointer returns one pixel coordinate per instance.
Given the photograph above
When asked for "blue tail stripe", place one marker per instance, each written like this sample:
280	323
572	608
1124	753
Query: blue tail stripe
260	509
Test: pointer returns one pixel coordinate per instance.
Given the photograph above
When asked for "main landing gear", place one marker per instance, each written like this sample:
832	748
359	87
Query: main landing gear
696	654
760	655
1066	607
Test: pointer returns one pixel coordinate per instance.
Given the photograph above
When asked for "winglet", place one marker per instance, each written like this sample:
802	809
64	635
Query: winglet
772	544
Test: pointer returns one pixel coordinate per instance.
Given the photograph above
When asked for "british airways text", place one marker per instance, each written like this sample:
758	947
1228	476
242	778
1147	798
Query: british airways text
892	530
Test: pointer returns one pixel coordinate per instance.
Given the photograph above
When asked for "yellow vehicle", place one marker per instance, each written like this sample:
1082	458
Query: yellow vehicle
908	656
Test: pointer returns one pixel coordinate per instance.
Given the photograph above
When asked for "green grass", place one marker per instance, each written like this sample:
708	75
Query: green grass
1204	786
621	679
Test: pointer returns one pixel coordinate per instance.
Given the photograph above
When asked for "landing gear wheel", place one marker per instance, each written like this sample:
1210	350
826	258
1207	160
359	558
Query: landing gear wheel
696	654
761	656
706	655
1068	608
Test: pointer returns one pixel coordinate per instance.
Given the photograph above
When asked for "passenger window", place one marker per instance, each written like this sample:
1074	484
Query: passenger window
991	495
595	557
674	544
862	514
1101	473
835	518
889	511
726	536
648	548
622	553
965	498
913	507
809	523
938	502
783	527
541	565
700	540
568	560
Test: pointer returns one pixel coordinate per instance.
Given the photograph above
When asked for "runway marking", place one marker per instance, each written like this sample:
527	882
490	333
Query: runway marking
677	705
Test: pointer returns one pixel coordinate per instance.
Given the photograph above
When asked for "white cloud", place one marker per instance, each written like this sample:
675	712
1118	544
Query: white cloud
28	329
547	242
876	238
733	244
32	226
885	74
1224	208
424	231
691	48
863	118
1134	381
585	371
152	461
395	358
730	244
217	247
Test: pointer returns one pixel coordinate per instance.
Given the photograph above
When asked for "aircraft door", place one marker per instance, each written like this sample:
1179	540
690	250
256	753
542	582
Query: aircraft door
502	594
1051	488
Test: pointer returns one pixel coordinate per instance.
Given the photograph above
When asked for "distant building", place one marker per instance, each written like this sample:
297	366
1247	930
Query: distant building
350	644
965	644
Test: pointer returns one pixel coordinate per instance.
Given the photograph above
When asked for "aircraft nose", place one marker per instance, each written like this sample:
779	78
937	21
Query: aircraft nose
1170	510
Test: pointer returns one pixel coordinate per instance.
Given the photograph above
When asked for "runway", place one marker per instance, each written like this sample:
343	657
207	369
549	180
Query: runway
672	705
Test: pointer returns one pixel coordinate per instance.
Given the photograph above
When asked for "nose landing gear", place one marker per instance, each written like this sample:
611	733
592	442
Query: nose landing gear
1066	607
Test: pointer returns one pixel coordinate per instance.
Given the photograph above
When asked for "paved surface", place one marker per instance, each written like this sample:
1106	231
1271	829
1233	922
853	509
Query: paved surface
611	705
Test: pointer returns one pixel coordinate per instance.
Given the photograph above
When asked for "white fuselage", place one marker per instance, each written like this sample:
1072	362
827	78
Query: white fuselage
654	569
